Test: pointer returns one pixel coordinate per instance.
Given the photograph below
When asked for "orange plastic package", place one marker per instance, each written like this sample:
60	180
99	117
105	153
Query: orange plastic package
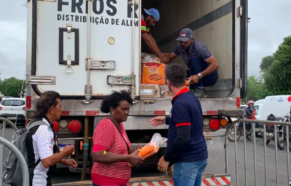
153	73
187	83
153	147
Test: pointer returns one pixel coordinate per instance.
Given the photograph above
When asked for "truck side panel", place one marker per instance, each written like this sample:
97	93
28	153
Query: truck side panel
108	45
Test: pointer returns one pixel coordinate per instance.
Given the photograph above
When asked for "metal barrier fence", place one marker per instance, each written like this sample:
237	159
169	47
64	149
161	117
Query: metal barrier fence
284	132
5	143
236	172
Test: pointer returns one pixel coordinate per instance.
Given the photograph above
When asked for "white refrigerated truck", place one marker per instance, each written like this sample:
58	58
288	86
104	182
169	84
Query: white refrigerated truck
86	49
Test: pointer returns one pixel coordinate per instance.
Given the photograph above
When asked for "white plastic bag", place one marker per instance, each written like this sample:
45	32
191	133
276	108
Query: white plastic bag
157	140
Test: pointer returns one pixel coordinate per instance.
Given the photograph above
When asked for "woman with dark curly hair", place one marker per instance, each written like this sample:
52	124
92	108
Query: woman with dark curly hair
111	146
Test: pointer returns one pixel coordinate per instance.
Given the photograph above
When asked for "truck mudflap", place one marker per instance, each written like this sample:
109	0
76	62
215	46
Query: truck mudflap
207	180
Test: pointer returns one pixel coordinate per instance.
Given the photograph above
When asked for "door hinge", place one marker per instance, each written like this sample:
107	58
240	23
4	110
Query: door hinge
240	11
239	83
100	65
69	30
88	90
133	2
119	80
40	80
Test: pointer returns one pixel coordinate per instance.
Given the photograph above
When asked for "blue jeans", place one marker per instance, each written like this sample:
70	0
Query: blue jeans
189	173
197	65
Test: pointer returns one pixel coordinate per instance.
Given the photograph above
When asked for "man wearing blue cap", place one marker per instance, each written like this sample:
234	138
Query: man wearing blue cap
202	64
150	18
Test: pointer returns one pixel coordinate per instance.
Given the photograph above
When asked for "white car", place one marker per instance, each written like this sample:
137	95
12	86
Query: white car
13	109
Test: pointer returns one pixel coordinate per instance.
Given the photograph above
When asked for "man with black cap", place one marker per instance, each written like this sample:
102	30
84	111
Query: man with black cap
150	18
202	64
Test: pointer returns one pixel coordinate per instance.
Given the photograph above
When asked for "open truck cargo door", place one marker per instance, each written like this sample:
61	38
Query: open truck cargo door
243	14
89	47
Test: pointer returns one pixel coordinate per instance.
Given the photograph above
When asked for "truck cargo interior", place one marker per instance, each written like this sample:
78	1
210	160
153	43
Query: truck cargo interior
212	23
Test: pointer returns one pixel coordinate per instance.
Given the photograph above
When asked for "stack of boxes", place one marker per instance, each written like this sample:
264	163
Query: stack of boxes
153	77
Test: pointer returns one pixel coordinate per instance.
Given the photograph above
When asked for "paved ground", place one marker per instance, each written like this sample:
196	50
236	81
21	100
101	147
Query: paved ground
216	163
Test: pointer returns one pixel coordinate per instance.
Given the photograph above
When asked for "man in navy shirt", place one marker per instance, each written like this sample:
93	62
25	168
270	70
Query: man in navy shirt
202	64
186	146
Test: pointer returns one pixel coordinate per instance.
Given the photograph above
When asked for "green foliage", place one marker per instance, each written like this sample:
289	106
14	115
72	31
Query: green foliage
266	62
11	87
277	75
1	86
256	89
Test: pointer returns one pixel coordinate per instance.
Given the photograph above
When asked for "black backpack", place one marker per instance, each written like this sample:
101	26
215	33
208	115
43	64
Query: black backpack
12	168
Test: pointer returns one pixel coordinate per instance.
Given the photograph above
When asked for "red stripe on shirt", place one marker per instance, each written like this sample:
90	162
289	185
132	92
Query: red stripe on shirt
97	148
183	124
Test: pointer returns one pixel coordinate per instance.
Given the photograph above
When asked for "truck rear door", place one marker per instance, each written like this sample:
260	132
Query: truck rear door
89	47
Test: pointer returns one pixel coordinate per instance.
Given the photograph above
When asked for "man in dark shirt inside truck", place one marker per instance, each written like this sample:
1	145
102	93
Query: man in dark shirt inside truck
186	146
201	63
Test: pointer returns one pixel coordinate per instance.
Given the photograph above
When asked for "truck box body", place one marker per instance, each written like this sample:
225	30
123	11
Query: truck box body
85	51
110	46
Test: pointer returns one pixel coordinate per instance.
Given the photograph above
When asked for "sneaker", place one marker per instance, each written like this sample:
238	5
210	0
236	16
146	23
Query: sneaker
198	92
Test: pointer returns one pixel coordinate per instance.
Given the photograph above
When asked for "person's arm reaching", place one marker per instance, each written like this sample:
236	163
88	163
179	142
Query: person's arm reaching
103	140
213	66
57	157
44	139
108	157
169	58
69	162
183	125
203	53
151	43
206	55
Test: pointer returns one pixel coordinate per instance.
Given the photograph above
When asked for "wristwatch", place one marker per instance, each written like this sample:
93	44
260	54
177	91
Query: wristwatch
200	75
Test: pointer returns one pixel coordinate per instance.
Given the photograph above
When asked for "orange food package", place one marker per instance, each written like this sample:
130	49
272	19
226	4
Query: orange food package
187	83
153	73
151	148
147	151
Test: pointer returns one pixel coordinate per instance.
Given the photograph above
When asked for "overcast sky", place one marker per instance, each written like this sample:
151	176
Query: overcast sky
270	23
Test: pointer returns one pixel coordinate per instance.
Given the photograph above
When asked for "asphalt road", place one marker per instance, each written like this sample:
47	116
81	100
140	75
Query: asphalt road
216	163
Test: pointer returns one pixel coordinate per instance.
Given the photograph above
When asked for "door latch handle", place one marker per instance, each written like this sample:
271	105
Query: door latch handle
69	30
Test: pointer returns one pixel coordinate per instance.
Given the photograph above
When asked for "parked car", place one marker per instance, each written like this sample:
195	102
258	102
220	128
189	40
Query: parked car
14	110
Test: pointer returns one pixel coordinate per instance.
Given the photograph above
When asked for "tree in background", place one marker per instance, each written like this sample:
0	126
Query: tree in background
277	69
256	89
1	84
266	63
12	87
